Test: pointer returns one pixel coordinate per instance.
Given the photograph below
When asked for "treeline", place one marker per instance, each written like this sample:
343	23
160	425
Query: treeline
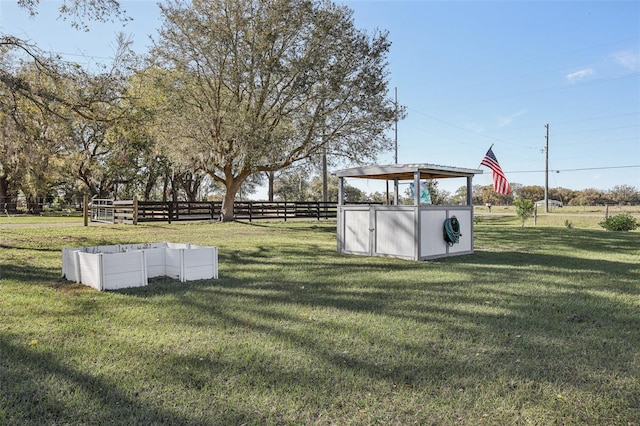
220	102
619	194
299	186
218	105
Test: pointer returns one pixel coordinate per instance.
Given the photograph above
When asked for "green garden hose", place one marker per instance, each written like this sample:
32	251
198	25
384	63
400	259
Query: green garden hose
451	230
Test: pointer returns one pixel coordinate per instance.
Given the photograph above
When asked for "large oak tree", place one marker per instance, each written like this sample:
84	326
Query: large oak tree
260	84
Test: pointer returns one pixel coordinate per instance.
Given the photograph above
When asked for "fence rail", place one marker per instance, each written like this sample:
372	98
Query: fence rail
133	211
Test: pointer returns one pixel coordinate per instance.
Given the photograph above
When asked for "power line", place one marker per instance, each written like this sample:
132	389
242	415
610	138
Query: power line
597	130
603	117
467	130
576	170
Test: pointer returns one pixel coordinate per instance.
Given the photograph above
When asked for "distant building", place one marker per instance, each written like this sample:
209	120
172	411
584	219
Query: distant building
552	203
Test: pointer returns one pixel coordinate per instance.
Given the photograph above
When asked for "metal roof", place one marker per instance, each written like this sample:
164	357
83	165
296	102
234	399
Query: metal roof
405	172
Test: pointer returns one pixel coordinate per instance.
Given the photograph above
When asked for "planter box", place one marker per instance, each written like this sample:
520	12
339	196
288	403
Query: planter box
124	266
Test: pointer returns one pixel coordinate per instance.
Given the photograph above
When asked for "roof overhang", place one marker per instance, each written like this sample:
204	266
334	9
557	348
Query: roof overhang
406	172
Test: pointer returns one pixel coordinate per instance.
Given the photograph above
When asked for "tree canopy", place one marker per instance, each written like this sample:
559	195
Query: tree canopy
259	85
81	11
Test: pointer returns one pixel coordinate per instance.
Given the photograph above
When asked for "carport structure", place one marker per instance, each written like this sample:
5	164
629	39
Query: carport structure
405	231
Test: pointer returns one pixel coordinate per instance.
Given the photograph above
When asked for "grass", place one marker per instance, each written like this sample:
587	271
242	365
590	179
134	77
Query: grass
540	326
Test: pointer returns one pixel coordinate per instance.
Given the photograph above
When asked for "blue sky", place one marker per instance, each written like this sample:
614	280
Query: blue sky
471	74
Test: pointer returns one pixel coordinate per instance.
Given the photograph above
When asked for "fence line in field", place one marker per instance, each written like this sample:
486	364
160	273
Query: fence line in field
134	211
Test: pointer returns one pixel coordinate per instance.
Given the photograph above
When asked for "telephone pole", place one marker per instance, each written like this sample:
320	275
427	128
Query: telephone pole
396	126
546	173
395	157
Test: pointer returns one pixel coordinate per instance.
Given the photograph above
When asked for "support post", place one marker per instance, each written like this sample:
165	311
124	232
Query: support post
85	209
416	188
396	196
470	190
135	209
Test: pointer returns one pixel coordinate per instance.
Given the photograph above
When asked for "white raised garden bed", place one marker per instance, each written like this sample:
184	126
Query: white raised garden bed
123	266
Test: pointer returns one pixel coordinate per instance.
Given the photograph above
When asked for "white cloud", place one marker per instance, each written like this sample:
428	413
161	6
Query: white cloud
505	121
629	60
580	75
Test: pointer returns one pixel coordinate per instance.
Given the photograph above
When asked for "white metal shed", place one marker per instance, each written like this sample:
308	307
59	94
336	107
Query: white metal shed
404	231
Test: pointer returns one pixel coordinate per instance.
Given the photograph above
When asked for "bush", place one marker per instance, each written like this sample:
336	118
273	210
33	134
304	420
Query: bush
524	208
620	222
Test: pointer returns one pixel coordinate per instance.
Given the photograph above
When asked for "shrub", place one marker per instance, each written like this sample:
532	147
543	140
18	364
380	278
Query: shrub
524	208
620	222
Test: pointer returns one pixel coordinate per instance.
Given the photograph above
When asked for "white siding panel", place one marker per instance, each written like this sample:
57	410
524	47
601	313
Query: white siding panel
155	262
395	233
173	263
90	268
199	264
70	267
356	231
123	270
432	242
466	238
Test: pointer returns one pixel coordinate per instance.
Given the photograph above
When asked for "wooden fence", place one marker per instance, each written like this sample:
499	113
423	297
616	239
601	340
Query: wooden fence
134	211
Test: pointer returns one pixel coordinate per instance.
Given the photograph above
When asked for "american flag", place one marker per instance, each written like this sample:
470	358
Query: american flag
500	183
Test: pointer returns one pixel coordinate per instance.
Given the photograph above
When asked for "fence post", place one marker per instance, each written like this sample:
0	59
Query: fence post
85	209
318	209
250	211
169	212
135	209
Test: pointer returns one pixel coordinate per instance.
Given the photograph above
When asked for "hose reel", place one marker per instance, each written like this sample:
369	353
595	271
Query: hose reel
451	231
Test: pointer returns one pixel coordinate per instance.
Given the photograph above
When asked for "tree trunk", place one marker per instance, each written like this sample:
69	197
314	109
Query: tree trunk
271	177
226	212
232	185
33	204
4	187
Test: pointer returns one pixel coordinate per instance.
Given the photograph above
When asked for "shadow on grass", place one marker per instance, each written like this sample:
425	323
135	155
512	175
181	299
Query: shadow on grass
515	316
38	388
323	226
509	317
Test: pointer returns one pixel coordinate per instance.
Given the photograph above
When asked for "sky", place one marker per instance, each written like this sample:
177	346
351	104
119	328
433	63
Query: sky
471	74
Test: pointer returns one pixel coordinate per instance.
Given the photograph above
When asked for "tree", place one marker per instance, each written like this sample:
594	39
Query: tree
79	10
588	197
563	195
624	194
291	185
531	192
460	196
524	208
260	85
351	194
438	196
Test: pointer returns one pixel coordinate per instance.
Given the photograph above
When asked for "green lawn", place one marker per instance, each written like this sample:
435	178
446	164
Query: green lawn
540	326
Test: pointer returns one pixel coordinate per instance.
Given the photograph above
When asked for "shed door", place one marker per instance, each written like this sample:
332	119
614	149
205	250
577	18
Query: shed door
394	232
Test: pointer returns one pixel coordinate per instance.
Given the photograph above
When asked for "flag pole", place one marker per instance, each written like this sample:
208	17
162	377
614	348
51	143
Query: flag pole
487	151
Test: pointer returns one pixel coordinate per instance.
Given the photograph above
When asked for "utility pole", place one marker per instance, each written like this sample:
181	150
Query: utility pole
325	177
396	127
546	173
395	181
